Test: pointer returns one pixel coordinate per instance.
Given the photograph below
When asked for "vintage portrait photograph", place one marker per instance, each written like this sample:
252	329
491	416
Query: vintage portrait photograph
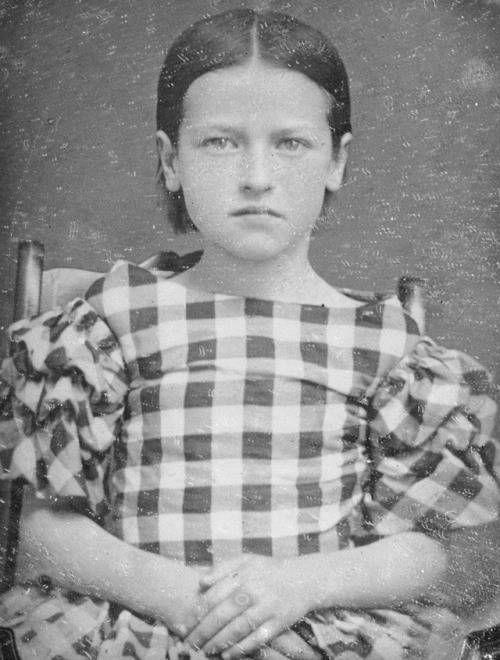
250	330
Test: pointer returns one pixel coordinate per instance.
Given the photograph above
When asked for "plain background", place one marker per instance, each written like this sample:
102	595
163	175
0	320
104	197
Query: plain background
78	163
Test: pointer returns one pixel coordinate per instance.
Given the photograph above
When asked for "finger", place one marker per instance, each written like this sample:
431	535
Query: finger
268	653
219	617
259	638
225	569
221	589
188	619
293	646
237	630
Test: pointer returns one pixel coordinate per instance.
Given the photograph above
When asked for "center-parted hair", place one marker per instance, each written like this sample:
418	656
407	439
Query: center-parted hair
232	38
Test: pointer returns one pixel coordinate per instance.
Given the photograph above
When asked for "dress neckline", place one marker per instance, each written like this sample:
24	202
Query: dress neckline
366	298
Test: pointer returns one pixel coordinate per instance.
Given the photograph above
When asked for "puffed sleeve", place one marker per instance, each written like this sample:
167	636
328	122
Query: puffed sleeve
431	450
61	401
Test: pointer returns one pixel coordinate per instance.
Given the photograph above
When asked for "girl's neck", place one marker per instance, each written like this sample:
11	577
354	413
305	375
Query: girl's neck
289	278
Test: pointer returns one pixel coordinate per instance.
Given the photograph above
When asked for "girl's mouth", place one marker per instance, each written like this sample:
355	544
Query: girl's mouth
255	210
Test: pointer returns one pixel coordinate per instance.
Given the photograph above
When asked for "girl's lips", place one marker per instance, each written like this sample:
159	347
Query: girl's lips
255	210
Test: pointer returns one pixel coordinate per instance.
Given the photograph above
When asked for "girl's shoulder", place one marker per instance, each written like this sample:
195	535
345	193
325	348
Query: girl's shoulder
384	332
381	309
124	283
124	273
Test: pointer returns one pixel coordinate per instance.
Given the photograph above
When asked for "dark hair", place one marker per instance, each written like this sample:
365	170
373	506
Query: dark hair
232	38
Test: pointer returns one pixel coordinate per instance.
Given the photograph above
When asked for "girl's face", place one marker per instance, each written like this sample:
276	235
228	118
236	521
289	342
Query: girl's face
254	159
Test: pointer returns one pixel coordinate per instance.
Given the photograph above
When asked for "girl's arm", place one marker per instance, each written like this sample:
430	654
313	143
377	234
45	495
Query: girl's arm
254	600
395	570
75	553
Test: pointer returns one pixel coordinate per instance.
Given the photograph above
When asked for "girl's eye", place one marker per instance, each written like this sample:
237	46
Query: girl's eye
219	143
291	144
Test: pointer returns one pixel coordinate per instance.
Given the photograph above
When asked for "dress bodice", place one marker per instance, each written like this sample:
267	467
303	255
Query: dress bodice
246	418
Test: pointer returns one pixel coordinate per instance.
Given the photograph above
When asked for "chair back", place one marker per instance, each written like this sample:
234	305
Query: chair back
60	285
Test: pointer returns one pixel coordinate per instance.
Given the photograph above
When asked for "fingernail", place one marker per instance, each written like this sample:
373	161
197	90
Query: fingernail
183	651
210	649
229	654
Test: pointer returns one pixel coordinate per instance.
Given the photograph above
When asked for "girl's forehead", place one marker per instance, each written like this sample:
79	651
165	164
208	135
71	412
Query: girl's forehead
255	89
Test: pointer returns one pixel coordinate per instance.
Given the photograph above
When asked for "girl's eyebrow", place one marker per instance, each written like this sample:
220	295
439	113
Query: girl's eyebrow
228	128
295	128
223	128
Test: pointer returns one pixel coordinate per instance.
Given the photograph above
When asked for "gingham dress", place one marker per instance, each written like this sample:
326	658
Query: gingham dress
204	426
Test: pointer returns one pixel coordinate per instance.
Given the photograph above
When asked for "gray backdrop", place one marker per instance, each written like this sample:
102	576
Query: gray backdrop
77	153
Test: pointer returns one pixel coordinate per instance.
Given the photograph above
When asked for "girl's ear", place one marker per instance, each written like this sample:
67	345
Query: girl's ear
168	159
336	173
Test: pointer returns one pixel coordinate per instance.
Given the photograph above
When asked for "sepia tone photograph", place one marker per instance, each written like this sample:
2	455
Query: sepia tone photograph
250	329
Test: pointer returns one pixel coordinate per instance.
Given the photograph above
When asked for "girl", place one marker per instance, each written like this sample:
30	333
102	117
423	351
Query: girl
242	456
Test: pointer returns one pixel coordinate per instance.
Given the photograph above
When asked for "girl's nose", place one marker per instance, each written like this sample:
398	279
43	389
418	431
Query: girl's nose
258	170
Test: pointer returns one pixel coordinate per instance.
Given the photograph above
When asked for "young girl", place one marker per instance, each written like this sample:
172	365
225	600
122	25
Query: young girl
241	456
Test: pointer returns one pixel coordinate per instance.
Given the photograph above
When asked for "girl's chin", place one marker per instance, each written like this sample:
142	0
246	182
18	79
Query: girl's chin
259	252
257	246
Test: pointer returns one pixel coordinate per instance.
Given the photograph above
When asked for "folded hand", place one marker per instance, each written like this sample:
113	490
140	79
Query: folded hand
250	602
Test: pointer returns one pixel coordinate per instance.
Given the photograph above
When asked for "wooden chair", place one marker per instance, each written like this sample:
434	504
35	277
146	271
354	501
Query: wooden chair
36	291
26	304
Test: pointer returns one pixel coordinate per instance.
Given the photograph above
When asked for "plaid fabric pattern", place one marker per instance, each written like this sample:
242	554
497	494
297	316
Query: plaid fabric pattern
258	413
202	426
246	425
434	456
245	419
61	402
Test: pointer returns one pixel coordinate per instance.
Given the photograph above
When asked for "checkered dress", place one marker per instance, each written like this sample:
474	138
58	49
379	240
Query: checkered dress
246	419
204	426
